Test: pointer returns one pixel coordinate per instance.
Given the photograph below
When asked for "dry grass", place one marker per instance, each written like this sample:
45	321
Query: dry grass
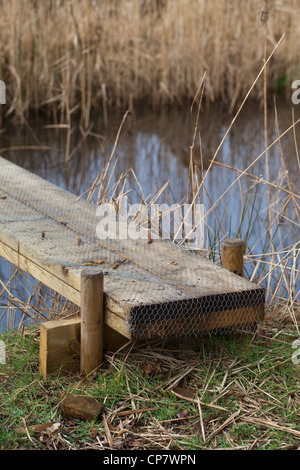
213	394
63	56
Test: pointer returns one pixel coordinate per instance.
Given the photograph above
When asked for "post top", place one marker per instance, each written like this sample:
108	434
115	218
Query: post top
92	272
233	242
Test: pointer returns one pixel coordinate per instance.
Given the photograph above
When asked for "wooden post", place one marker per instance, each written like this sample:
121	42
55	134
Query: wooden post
232	255
91	353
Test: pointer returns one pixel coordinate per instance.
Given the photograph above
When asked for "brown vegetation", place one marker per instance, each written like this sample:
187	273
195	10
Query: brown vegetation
60	56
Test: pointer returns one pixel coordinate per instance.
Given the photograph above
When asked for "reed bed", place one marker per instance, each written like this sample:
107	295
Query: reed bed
85	56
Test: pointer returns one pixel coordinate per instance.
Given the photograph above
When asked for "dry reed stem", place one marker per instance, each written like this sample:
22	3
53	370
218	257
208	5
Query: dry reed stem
57	56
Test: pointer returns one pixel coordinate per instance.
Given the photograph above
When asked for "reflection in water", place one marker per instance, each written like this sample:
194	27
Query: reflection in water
157	147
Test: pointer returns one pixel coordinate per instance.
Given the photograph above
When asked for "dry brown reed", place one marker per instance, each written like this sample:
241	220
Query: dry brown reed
64	56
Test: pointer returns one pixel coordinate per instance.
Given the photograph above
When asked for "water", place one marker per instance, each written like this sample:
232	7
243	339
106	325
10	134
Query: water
156	146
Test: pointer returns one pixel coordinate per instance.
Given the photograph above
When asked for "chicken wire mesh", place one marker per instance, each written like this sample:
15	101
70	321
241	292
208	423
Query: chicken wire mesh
158	287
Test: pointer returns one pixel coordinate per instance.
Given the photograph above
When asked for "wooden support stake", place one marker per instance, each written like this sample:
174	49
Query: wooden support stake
232	255
91	354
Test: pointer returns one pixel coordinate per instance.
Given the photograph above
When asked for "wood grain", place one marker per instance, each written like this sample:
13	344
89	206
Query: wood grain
92	321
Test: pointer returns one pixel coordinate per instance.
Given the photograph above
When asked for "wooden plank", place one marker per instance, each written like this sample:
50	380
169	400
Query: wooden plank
60	339
57	350
51	233
48	201
238	318
41	273
60	345
113	315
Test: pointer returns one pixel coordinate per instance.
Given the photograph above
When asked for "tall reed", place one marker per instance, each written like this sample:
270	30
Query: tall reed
61	56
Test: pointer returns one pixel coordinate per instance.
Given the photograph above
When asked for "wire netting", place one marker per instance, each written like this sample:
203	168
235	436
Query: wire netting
160	288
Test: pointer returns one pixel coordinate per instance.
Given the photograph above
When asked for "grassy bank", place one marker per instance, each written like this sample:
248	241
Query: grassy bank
62	56
220	394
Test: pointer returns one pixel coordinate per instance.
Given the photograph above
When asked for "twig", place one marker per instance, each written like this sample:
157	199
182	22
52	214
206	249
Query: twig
201	421
226	423
272	424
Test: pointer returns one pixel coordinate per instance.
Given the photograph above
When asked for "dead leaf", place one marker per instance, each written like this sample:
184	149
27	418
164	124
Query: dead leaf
134	443
34	428
131	412
148	369
182	415
185	392
107	431
93	262
94	433
53	428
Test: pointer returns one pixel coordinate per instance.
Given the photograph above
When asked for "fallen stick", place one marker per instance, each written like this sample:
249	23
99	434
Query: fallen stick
271	424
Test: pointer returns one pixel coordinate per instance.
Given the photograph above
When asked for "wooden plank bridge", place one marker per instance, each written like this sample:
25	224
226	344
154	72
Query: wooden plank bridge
150	289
